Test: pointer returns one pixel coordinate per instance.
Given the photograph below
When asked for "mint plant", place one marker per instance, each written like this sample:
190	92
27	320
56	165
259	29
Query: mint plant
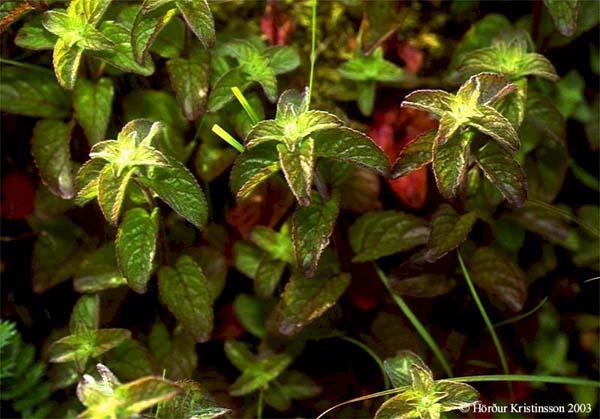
266	209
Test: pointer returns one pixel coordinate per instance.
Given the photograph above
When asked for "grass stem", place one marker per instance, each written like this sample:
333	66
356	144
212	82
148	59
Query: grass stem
313	51
227	137
416	323
245	104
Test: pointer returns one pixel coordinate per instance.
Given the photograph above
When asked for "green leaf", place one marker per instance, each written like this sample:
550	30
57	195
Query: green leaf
252	167
194	403
177	356
185	291
50	144
112	399
33	93
56	254
150	19
91	10
86	181
291	103
239	354
434	101
155	105
212	160
99	271
542	115
121	55
384	233
492	123
450	164
311	228
111	192
86	314
277	244
66	60
371	67
252	312
366	97
32	35
448	231
260	373
499	277
403	405
87	344
213	264
414	155
304	300
130	360
504	172
190	80
282	59
297	166
221	94
398	367
347	144
198	17
267	276
564	15
92	102
177	187
136	246
459	396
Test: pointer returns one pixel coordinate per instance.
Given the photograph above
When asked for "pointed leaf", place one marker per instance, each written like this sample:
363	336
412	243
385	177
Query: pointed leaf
99	271
297	166
176	186
92	103
262	372
450	164
433	101
198	17
311	228
448	231
499	277
384	233
221	94
86	314
185	291
32	35
304	300
111	192
415	155
252	167
267	276
136	246
504	172
492	123
144	393
564	14
50	146
239	354
265	131
459	395
402	406
283	59
347	144
151	18
398	367
33	93
189	78
66	61
86	181
366	97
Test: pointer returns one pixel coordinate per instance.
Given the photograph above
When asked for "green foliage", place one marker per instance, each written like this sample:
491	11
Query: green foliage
237	206
24	383
424	397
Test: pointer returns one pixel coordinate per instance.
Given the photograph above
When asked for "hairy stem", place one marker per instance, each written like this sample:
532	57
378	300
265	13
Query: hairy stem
313	52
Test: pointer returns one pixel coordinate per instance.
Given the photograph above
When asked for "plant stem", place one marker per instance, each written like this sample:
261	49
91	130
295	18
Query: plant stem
584	177
227	137
244	102
313	52
259	407
416	323
485	316
386	380
523	315
562	213
23	65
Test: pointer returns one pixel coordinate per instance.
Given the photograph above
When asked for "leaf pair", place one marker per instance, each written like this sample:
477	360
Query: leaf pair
256	63
461	117
425	397
86	340
76	31
366	71
114	163
293	141
108	398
